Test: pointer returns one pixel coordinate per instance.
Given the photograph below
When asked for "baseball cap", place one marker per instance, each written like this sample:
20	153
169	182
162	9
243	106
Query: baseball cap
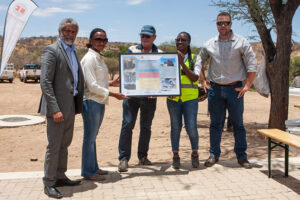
148	30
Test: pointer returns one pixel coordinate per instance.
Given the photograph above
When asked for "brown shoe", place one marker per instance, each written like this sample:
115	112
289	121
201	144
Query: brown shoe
145	161
176	162
95	177
245	163
102	172
195	160
211	161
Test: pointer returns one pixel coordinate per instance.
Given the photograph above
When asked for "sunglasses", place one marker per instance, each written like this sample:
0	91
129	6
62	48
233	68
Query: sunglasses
101	39
145	36
225	23
181	40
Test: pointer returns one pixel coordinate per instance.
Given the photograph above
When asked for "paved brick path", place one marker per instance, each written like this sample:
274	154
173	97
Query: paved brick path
225	180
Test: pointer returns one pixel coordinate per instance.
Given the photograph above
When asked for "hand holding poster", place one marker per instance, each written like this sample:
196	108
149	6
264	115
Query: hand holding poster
17	15
150	74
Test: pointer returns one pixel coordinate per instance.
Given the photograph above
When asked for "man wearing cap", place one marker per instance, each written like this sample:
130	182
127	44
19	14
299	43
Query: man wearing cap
147	106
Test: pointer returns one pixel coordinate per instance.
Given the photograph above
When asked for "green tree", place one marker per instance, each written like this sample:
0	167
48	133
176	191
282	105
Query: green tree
35	56
122	48
81	52
294	68
195	50
168	46
109	54
297	62
267	15
113	66
171	47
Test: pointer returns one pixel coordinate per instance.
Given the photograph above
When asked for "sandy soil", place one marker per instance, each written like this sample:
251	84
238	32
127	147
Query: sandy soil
19	145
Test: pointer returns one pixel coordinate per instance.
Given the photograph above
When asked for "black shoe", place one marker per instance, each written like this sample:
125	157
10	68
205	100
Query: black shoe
245	163
176	162
211	161
66	182
145	161
195	160
51	191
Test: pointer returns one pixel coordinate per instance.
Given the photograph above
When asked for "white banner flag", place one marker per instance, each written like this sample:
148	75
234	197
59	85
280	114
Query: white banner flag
16	18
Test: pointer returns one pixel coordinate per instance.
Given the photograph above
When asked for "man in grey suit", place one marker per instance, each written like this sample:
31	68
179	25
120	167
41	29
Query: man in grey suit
62	87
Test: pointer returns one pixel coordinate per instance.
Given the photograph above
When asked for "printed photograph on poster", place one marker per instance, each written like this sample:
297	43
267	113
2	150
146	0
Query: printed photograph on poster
155	74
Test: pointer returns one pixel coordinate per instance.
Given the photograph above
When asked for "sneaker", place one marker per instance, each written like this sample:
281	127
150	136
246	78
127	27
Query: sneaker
176	162
245	163
211	161
123	166
145	161
195	160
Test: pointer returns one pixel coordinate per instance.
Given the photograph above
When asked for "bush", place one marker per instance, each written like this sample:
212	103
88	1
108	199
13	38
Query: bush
171	47
109	54
294	68
113	66
123	49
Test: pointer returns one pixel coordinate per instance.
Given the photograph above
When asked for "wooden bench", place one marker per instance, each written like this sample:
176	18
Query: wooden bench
297	105
282	139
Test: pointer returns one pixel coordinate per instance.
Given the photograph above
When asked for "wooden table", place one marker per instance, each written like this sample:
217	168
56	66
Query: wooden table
281	139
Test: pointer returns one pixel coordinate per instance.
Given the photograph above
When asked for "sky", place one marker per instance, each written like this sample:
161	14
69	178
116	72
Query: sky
123	19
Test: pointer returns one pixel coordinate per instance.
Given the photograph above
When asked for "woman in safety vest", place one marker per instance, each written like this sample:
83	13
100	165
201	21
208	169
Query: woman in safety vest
185	105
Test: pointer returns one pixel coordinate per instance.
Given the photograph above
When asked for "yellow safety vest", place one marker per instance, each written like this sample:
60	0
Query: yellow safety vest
189	89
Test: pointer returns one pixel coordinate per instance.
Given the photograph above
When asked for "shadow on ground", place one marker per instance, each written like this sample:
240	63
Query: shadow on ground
157	169
70	191
290	181
257	144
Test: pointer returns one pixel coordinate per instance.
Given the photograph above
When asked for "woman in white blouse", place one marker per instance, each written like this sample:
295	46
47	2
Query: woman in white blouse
96	94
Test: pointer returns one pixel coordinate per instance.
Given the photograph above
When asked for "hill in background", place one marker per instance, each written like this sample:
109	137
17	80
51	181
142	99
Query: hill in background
29	50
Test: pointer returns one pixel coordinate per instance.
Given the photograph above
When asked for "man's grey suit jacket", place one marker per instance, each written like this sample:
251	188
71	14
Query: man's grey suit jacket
57	82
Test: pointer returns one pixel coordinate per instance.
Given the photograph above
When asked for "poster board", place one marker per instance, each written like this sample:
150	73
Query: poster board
149	74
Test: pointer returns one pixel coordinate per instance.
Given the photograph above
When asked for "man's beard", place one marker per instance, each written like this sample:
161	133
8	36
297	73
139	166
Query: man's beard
68	42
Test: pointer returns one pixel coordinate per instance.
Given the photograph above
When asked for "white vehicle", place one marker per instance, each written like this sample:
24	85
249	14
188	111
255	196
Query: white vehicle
8	73
294	90
30	72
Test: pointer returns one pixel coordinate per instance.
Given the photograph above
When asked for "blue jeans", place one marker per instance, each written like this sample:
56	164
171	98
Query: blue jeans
220	97
131	107
92	115
189	111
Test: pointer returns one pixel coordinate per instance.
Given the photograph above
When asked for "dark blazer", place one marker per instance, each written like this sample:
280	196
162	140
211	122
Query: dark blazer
57	82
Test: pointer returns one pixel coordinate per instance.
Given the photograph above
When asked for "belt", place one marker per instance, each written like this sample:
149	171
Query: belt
233	83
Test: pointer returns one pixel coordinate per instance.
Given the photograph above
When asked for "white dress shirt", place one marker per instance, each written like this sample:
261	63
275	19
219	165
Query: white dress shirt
96	77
